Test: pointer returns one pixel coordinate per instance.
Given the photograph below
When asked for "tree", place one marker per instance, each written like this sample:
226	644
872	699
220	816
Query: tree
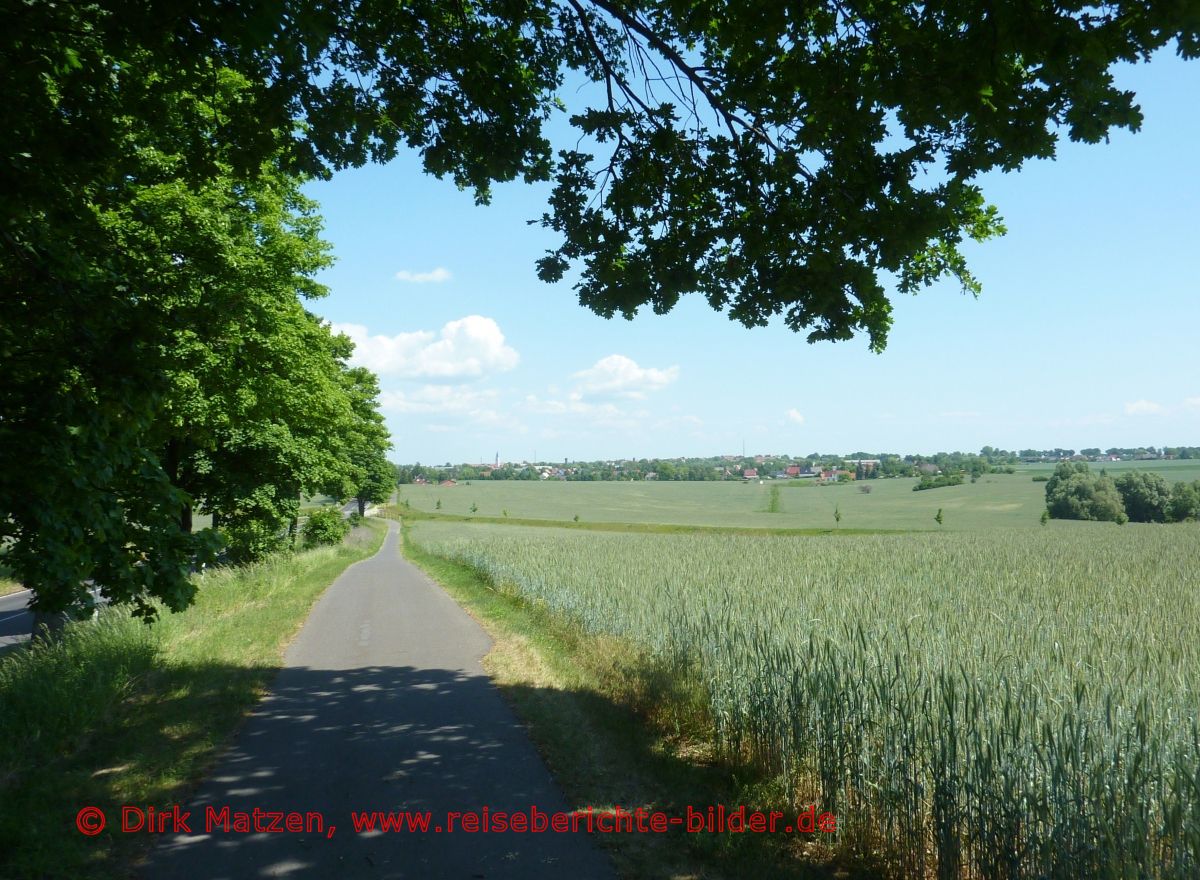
1184	503
1074	492
372	477
192	374
1144	495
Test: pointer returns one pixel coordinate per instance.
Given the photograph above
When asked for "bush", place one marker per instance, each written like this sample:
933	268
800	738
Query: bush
1042	478
355	519
325	527
938	482
248	540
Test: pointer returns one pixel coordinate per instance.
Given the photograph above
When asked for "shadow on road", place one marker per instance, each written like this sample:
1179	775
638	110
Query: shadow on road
334	742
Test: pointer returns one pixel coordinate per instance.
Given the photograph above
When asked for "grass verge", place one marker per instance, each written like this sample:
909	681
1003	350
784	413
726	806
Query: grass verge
120	713
618	729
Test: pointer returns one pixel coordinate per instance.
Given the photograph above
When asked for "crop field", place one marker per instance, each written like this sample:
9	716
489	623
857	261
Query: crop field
1018	703
995	501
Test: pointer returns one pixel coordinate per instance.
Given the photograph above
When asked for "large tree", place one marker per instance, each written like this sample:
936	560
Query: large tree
371	478
157	355
1145	495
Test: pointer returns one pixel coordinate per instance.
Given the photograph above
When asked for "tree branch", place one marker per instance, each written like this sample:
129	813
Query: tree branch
728	116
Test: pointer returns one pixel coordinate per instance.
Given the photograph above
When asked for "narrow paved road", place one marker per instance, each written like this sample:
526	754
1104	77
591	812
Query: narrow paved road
16	620
382	705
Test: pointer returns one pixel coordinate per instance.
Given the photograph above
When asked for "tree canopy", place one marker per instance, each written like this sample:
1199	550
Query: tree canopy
159	356
1074	492
774	158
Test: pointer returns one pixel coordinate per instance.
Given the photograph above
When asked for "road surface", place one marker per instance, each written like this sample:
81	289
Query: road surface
16	620
382	705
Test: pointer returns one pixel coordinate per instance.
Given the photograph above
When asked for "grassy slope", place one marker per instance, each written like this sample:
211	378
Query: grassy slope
136	714
995	501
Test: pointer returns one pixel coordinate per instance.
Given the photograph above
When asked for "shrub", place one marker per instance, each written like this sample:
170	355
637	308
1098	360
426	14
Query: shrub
325	527
248	540
938	482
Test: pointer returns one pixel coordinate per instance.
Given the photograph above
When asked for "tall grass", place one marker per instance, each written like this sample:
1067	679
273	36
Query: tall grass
117	712
1021	706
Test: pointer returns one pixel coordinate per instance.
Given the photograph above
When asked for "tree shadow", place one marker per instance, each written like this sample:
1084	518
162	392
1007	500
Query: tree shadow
329	743
333	742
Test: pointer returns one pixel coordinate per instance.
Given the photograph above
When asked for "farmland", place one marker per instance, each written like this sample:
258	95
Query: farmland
995	501
994	699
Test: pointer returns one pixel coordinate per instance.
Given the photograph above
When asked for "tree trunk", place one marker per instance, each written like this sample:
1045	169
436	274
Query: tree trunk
362	505
48	626
174	466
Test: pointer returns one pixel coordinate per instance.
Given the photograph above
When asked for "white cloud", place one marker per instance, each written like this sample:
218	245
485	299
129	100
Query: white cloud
595	415
620	376
795	416
1143	408
468	407
468	347
1191	403
437	276
437	399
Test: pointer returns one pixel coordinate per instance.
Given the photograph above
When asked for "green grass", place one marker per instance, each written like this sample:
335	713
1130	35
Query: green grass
120	713
640	528
963	702
995	501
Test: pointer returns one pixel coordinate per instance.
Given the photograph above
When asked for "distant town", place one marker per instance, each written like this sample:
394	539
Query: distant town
814	466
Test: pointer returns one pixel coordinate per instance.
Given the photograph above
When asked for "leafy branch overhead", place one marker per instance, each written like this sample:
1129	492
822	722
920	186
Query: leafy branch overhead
778	159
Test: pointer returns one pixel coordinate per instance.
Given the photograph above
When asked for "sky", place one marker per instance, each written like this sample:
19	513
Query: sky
1087	332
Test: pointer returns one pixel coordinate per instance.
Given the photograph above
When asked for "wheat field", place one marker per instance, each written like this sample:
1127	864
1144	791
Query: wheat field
1020	704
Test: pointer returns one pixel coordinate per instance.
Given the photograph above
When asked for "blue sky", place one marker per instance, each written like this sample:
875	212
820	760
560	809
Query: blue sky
1086	333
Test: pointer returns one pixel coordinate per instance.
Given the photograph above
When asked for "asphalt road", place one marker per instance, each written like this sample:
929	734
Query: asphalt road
16	620
382	706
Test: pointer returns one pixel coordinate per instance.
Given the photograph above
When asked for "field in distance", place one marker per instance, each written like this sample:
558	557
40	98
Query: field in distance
994	501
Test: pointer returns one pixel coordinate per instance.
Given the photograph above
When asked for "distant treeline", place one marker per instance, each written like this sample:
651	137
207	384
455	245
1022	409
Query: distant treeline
1077	492
856	465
